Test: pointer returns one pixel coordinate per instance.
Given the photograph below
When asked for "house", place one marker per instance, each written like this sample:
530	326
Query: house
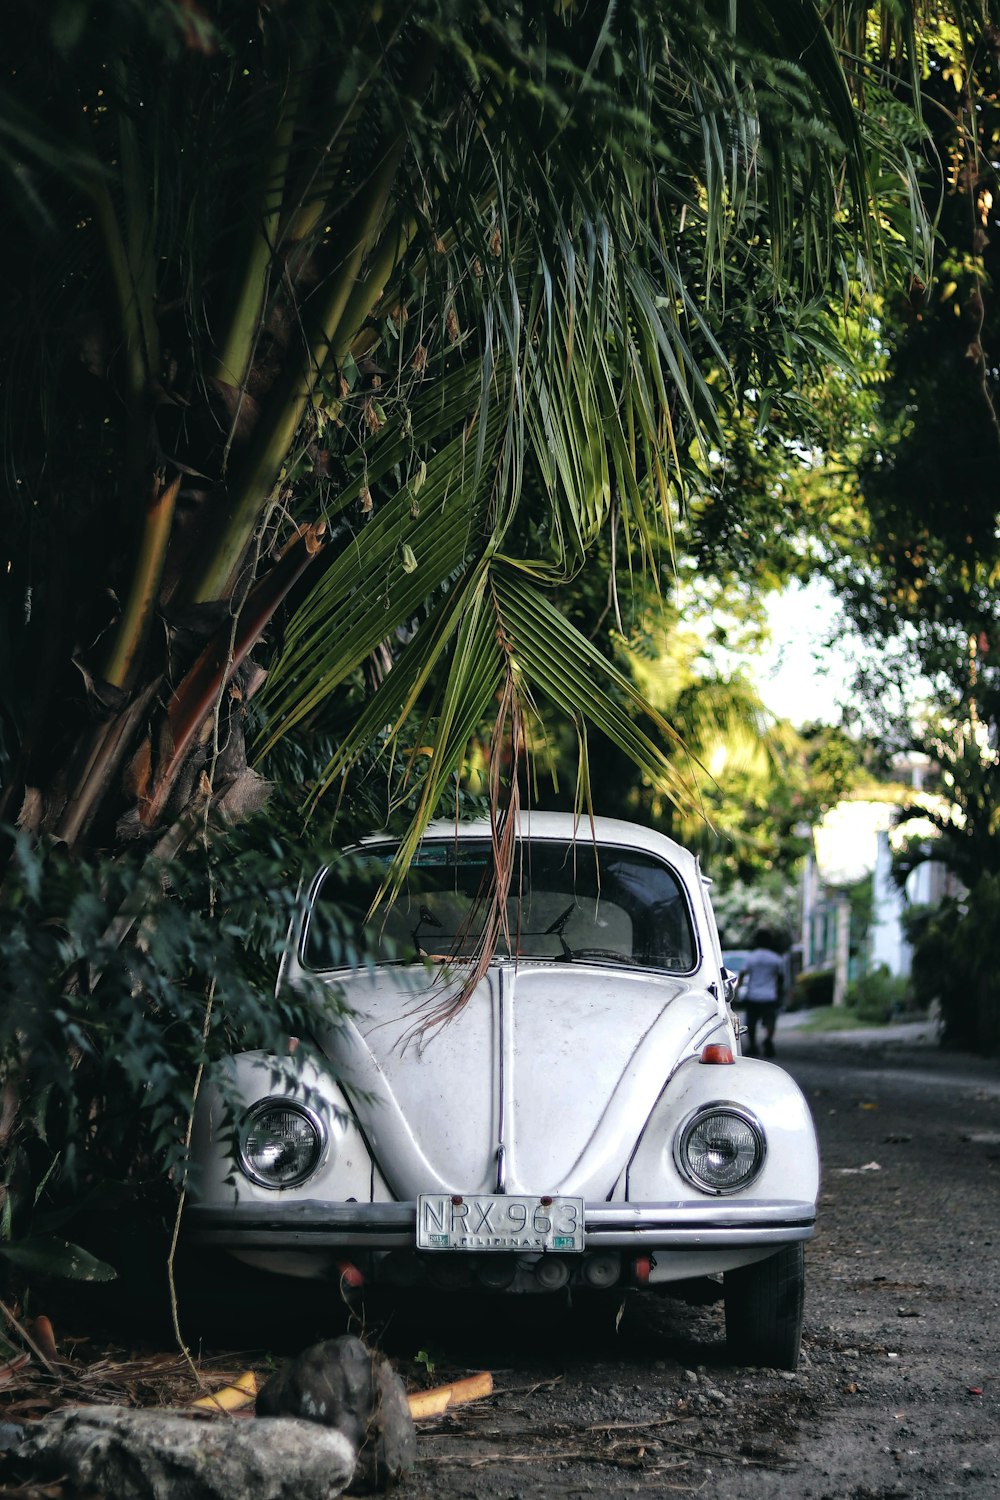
842	927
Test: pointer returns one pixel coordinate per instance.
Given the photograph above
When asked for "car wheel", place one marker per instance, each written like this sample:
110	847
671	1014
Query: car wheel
764	1305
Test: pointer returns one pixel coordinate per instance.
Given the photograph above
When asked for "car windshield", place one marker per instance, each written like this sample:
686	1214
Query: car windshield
568	902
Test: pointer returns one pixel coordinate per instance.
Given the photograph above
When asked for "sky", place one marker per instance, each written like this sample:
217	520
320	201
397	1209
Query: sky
801	678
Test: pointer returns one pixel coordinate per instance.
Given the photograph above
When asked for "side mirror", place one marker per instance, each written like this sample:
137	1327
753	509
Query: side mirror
730	984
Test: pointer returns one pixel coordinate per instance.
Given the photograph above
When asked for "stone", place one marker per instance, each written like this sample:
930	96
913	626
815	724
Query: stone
153	1455
343	1385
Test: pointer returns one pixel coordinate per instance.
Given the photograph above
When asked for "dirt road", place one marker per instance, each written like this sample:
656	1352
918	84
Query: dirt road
898	1391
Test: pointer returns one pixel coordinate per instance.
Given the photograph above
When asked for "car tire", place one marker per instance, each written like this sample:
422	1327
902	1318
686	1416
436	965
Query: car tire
764	1304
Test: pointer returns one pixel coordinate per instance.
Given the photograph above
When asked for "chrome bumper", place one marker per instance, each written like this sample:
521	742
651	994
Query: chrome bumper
699	1225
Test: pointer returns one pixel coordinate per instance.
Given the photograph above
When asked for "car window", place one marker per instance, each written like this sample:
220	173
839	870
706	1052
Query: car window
567	902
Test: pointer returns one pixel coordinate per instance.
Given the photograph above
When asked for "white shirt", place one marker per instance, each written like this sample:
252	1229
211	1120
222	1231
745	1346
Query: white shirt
762	976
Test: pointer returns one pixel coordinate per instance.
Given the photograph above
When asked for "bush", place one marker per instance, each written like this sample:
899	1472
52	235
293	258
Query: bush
812	988
956	957
878	995
119	981
741	911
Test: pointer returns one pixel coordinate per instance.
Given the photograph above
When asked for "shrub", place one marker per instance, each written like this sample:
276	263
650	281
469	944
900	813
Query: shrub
956	957
119	982
878	995
742	910
813	987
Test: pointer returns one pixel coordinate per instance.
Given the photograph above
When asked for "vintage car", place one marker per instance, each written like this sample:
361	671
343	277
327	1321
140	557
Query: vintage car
584	1119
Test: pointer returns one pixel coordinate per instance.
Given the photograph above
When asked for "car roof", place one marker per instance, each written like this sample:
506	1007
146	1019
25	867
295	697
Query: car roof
570	826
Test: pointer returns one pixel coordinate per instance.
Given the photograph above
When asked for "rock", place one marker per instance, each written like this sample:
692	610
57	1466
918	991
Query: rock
145	1455
343	1385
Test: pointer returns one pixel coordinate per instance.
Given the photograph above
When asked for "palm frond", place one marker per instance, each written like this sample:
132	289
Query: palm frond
564	240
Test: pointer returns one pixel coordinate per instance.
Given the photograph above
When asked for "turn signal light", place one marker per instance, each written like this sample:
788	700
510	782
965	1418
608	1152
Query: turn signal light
717	1052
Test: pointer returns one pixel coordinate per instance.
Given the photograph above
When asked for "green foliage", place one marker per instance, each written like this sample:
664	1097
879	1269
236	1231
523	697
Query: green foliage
929	550
878	995
833	1018
860	896
465	297
920	581
469	286
44	1255
764	807
813	988
760	784
741	910
961	829
120	981
956	957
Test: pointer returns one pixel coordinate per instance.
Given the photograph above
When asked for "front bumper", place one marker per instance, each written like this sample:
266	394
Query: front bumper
719	1224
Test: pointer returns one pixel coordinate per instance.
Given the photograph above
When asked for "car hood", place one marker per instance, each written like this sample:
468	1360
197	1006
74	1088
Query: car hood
540	1084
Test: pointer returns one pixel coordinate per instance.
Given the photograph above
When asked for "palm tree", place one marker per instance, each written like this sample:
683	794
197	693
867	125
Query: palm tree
343	333
338	338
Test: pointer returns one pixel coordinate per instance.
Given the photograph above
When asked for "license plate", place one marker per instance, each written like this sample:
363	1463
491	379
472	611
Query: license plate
486	1221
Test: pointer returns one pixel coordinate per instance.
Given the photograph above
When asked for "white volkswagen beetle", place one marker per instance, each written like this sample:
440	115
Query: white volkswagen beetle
584	1118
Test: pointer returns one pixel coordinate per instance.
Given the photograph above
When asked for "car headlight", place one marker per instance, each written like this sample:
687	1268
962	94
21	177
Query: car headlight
281	1143
721	1148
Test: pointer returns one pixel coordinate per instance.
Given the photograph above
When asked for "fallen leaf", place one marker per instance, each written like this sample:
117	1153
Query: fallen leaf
975	1390
231	1397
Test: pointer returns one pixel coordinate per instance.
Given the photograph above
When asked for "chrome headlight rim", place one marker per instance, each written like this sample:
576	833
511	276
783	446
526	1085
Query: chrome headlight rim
719	1107
295	1106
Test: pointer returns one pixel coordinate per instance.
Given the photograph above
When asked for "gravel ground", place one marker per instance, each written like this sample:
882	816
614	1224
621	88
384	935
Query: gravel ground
898	1391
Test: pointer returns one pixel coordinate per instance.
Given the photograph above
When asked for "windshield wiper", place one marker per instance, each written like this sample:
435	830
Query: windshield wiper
424	916
558	929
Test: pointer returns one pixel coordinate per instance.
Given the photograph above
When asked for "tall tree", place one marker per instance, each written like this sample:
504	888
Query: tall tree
339	328
920	579
926	594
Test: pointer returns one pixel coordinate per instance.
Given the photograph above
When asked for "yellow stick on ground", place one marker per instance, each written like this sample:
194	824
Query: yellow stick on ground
433	1402
231	1397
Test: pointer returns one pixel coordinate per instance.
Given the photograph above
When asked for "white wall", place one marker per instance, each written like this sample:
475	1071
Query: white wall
887	945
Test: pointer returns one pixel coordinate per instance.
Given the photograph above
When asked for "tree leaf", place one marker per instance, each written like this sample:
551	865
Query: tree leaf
45	1255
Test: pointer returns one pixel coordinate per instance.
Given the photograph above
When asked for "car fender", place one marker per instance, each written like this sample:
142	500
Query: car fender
791	1168
346	1169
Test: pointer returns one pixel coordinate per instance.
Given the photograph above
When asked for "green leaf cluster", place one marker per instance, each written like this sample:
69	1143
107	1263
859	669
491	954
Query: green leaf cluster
120	982
469	286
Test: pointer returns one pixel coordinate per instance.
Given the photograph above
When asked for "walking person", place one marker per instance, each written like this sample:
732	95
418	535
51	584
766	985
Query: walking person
761	990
